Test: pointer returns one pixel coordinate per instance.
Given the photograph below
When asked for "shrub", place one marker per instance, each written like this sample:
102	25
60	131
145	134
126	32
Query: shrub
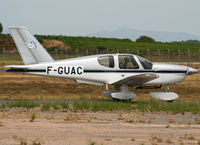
145	39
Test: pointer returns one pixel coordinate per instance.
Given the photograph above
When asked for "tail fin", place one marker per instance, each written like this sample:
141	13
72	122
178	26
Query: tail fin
31	51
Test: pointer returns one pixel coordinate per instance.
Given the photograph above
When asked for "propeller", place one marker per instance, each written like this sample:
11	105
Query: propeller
191	71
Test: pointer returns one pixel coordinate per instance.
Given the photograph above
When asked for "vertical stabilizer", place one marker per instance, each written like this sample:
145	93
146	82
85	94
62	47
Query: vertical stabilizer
31	51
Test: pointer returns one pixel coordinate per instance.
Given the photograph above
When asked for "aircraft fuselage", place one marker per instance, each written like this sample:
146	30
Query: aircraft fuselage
88	70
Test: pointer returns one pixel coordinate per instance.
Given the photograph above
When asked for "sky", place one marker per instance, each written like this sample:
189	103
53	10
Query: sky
82	17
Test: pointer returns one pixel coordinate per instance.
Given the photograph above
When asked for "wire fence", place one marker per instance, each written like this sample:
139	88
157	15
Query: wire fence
153	55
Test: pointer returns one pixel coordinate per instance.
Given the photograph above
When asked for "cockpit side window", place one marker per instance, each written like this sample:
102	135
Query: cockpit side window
107	61
145	63
127	62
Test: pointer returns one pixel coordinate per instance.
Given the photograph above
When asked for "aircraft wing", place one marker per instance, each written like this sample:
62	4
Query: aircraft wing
136	79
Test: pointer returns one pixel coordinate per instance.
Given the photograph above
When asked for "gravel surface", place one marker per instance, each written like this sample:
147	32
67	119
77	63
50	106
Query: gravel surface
106	128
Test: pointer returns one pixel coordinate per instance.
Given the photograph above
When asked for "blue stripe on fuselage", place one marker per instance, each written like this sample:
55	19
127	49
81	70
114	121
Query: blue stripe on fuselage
134	71
109	71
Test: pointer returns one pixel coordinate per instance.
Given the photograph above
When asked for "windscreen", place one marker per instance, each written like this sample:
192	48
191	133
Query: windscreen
145	63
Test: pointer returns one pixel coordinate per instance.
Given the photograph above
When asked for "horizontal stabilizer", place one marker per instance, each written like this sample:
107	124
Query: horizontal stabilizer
16	66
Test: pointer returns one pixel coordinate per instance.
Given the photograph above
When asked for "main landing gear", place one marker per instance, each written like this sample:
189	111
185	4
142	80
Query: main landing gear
120	92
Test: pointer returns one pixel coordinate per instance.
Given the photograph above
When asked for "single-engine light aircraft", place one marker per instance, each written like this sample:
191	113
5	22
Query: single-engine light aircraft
120	70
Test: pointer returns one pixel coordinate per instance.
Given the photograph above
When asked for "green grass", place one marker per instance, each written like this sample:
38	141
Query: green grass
22	103
147	106
55	106
46	106
101	106
175	107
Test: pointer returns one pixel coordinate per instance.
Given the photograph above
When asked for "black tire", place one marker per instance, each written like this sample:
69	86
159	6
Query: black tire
121	100
170	101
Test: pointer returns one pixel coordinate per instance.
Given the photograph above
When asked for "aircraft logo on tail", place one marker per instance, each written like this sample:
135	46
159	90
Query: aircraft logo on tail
31	44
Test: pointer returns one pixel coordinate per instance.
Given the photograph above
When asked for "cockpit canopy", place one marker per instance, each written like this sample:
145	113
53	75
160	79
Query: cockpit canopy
125	61
106	61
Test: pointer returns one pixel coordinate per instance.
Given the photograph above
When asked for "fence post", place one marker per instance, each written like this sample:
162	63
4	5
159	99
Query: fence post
128	51
117	50
65	52
56	52
168	55
97	51
199	54
86	51
107	50
148	53
4	52
179	55
76	52
158	54
188	57
138	52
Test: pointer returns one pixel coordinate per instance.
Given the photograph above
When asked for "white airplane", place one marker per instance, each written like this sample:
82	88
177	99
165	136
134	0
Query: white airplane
120	70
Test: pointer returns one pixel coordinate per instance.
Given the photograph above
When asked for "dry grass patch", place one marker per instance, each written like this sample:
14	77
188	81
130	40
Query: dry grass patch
72	117
33	116
108	139
38	141
187	137
92	142
1	124
132	139
158	139
21	140
197	120
171	121
167	126
168	141
16	86
190	137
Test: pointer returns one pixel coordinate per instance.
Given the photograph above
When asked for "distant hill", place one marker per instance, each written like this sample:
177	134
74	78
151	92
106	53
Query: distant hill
189	42
133	34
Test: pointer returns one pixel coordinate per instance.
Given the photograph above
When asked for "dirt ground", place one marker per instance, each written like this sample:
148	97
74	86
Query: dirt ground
91	128
100	128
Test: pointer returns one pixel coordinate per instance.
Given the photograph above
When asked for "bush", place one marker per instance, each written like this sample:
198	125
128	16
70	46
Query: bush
1	28
145	39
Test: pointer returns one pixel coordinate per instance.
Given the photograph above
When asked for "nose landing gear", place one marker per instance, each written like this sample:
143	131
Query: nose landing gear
166	96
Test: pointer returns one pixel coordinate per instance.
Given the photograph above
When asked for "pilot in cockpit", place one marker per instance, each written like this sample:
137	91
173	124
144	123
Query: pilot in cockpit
128	64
